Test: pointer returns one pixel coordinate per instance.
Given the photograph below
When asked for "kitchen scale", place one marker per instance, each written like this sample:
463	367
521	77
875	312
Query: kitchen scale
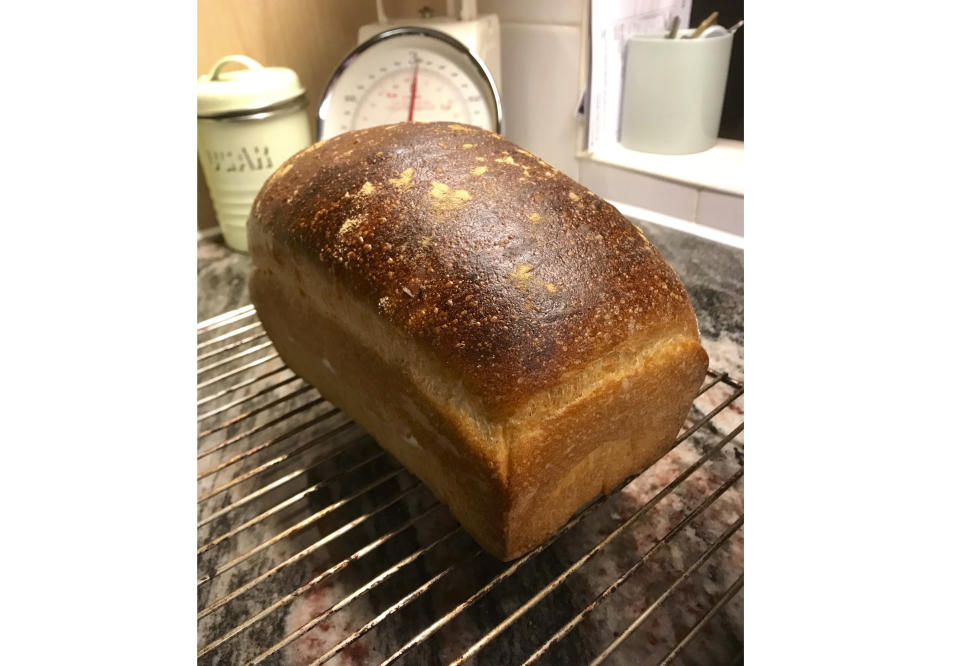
419	71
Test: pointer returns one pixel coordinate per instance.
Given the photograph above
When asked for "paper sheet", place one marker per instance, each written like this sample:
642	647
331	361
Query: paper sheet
612	23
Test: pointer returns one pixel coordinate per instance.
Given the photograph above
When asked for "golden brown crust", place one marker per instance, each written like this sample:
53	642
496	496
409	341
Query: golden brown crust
510	272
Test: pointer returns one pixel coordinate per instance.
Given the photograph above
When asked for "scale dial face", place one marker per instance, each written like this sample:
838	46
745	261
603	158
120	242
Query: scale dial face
408	74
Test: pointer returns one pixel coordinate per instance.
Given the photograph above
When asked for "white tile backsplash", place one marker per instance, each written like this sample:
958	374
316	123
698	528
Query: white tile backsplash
637	189
556	12
541	66
721	211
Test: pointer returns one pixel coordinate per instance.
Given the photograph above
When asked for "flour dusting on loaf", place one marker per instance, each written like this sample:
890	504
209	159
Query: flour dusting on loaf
606	281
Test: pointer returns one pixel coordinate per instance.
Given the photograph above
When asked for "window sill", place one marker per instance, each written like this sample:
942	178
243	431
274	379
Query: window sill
719	169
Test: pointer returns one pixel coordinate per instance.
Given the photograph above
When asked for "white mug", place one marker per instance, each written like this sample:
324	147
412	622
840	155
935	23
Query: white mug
673	91
248	123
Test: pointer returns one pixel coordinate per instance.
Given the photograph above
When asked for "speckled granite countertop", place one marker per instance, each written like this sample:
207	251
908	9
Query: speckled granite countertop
242	576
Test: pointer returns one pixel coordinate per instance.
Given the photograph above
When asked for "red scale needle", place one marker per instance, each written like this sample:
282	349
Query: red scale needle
413	90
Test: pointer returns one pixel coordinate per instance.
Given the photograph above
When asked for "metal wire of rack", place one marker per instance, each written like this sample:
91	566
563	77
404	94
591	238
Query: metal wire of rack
315	546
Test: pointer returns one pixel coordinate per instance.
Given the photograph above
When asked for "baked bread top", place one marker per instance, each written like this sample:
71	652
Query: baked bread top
513	274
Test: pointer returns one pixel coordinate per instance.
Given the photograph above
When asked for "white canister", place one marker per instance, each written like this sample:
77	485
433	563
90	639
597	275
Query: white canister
248	122
673	91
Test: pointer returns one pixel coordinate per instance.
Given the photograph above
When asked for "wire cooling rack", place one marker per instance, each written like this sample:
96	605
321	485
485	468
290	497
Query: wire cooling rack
315	546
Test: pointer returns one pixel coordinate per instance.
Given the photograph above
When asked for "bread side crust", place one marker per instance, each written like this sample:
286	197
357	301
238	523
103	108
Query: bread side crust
511	482
435	444
622	426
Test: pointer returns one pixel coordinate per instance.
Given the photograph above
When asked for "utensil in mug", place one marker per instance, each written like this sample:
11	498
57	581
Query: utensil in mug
674	27
714	31
706	23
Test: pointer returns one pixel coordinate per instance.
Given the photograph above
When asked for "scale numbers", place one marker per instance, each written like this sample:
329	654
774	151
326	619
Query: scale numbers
408	76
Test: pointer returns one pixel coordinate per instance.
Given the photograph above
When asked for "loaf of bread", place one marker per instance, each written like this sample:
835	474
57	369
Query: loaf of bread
506	334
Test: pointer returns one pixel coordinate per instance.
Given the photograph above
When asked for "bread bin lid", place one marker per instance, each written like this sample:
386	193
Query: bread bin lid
222	93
